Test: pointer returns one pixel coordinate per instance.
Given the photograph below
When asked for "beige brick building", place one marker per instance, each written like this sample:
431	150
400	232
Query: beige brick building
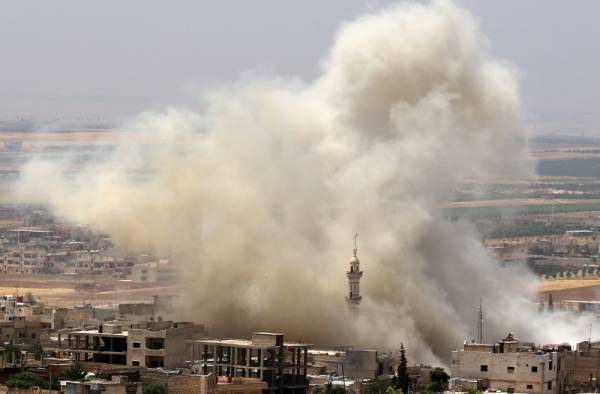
506	366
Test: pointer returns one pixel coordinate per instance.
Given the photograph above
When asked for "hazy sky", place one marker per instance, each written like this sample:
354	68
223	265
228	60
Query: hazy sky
107	59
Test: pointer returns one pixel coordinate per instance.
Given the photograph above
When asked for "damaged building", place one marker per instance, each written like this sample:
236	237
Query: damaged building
282	365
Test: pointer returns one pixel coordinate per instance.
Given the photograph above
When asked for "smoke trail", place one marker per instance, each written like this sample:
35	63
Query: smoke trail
259	195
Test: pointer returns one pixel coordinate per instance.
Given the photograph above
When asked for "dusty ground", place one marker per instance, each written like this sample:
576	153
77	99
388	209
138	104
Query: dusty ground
37	292
517	202
66	138
56	290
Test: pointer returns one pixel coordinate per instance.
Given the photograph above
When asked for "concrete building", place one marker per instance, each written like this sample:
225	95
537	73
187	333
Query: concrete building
580	306
21	330
160	344
161	308
580	368
144	272
353	364
81	316
505	366
282	365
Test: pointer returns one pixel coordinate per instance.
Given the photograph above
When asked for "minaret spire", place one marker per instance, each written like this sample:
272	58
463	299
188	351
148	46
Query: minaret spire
480	323
353	299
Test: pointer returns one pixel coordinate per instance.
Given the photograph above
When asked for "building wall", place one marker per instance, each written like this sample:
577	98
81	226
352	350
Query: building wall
205	384
175	351
181	384
577	367
351	363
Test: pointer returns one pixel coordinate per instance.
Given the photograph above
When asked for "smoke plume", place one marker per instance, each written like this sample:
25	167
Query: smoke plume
258	196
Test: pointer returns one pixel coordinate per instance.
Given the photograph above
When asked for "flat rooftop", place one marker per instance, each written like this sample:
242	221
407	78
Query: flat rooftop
245	343
96	332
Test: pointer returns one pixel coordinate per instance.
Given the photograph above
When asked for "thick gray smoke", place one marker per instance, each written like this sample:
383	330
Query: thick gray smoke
258	196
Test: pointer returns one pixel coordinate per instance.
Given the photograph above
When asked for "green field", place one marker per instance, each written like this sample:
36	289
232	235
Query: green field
513	210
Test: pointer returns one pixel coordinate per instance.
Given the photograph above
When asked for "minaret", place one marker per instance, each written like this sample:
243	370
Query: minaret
353	299
480	323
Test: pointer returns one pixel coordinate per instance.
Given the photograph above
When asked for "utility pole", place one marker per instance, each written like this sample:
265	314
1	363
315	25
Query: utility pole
49	379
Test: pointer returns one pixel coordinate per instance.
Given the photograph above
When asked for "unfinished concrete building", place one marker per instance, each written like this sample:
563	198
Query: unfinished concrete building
160	344
282	365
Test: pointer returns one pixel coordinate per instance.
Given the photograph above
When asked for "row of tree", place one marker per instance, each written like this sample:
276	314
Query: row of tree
26	379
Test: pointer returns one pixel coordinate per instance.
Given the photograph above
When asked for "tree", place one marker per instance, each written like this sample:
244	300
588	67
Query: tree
391	390
377	386
150	386
38	350
12	353
25	380
329	388
438	380
403	379
74	372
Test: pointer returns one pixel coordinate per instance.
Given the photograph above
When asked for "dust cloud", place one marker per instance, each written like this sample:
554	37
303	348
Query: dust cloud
258	195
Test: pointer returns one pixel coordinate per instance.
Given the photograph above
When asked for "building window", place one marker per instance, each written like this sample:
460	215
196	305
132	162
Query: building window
483	368
550	365
549	385
534	369
136	345
510	370
135	363
530	387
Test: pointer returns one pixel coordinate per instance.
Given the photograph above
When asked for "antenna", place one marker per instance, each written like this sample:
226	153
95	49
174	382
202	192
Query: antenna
480	323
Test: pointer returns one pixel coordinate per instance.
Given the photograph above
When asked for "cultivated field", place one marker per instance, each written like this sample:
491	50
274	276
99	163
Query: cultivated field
554	285
572	290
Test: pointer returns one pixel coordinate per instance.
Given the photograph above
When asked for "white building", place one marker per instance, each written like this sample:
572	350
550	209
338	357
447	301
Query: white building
354	298
505	366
